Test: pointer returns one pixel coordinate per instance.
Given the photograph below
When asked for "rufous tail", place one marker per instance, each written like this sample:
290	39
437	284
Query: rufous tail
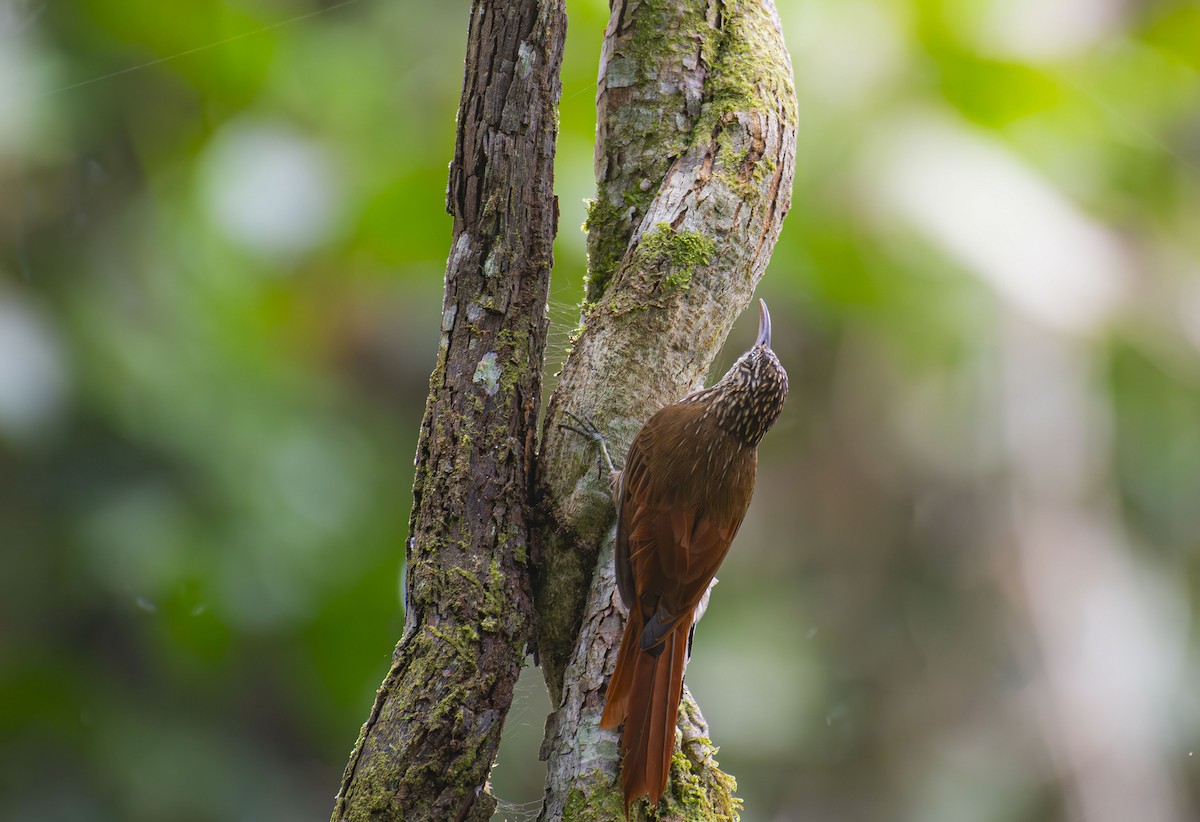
644	693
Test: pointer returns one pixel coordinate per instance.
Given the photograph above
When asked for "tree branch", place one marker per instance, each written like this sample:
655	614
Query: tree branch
427	748
694	162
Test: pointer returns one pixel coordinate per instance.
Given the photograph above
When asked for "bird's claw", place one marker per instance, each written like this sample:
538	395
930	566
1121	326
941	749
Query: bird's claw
584	427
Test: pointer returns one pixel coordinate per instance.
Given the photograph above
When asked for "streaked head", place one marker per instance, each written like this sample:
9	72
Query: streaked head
753	391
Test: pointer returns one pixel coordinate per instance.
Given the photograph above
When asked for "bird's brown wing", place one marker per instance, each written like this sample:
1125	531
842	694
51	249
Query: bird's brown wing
673	556
668	561
670	543
668	548
633	486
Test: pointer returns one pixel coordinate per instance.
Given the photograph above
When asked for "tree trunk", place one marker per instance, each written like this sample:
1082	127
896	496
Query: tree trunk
694	162
431	738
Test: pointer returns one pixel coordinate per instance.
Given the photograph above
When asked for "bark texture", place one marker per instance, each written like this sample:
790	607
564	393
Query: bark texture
694	161
431	738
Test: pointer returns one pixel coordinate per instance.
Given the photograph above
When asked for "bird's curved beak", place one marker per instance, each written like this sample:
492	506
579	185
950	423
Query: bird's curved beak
764	325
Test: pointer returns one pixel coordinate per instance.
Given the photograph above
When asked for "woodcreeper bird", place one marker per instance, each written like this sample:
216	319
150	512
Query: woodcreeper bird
680	499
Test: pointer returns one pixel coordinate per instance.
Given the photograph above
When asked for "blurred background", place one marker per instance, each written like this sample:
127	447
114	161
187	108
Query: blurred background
964	590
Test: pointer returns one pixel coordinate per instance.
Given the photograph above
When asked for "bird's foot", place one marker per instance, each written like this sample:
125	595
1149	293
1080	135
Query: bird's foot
584	427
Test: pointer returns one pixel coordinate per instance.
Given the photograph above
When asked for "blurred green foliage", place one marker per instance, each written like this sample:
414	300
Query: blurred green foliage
222	240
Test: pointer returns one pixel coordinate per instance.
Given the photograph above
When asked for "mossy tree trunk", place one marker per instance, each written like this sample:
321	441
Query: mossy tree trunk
694	163
427	748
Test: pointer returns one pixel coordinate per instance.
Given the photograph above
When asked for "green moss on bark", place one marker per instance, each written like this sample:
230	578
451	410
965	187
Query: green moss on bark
744	70
654	75
750	69
606	244
676	254
601	802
